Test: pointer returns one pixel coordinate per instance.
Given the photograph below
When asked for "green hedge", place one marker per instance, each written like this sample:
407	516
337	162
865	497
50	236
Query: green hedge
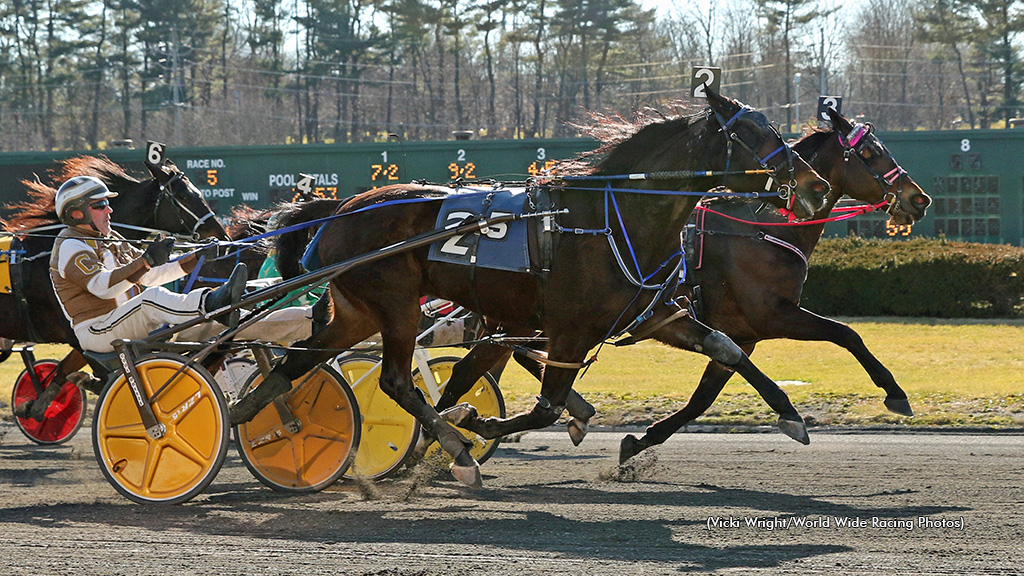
922	277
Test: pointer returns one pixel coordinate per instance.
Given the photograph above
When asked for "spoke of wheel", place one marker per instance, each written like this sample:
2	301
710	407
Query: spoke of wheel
132	432
173	440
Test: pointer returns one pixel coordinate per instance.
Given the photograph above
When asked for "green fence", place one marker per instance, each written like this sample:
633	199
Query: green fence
976	177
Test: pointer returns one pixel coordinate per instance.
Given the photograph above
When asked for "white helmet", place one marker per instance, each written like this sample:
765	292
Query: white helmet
76	194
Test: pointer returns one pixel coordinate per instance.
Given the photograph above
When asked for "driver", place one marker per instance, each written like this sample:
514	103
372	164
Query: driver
101	283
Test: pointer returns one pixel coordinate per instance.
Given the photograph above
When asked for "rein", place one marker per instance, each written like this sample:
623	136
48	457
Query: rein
847	213
785	189
165	192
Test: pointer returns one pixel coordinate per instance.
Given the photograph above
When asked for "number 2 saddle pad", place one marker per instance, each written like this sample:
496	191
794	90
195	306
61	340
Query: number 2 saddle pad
502	246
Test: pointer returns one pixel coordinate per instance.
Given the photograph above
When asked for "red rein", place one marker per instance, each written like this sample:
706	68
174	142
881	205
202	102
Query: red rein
843	214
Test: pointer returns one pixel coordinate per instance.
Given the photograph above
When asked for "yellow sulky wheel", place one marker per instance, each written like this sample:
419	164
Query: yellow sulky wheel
485	396
389	433
181	464
307	438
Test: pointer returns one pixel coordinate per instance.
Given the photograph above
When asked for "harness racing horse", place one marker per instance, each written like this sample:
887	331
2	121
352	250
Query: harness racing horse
750	280
752	277
168	202
589	288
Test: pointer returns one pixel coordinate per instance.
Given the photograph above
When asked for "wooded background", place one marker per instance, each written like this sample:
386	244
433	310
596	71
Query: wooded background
81	74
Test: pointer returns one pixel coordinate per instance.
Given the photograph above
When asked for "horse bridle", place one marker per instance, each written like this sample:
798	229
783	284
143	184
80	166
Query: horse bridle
785	189
166	192
853	144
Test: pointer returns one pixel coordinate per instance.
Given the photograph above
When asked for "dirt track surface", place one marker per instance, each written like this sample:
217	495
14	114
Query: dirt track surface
550	508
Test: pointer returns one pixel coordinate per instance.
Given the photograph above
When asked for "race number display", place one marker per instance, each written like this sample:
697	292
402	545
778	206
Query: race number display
155	154
305	186
705	77
826	102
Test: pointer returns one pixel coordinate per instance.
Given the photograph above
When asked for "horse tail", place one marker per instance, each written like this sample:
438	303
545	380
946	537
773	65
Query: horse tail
290	245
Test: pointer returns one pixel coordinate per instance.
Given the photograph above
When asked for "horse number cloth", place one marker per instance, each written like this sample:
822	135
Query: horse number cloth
501	247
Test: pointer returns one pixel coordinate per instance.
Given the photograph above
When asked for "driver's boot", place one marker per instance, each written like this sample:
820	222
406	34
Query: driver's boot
227	294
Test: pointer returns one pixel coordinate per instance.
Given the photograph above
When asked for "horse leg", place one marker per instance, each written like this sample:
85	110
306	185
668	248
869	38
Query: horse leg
349	326
555	388
398	337
36	409
689	334
467	371
802	324
710	386
575	404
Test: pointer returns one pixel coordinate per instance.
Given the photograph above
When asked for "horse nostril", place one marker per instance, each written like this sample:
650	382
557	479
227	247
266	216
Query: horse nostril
920	200
821	188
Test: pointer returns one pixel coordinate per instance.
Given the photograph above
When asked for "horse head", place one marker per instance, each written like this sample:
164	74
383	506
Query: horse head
761	149
869	172
180	206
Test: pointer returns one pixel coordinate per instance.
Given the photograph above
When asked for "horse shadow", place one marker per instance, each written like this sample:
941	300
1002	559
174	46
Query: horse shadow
665	524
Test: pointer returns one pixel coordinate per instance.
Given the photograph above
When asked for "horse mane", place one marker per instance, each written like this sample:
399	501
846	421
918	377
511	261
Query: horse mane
290	246
621	137
39	209
245	221
813	136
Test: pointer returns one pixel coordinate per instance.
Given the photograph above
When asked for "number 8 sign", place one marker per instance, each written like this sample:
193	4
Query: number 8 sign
705	77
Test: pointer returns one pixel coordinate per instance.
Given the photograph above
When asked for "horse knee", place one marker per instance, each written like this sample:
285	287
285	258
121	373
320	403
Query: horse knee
722	349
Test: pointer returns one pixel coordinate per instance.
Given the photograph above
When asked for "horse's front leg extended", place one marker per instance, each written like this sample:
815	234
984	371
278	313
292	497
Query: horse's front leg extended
802	324
689	334
711	384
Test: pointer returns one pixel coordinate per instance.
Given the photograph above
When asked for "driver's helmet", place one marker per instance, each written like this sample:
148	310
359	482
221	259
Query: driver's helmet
76	194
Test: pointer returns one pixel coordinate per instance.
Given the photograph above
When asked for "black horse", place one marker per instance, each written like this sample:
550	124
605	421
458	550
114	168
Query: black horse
167	202
587	292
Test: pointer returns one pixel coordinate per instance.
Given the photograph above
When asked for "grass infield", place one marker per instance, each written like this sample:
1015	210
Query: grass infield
956	373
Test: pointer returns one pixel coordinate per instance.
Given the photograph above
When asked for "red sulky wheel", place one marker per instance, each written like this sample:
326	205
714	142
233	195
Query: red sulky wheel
64	416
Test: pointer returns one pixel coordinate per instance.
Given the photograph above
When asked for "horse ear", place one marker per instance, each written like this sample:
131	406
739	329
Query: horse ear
720	103
839	122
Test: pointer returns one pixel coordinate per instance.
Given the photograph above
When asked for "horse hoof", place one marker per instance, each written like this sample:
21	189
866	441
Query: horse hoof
578	430
459	414
900	406
795	430
629	447
466	470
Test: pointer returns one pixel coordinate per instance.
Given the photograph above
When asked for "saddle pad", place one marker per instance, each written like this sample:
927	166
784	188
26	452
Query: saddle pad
5	264
500	247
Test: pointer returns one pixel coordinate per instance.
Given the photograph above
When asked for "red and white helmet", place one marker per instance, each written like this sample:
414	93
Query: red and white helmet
76	194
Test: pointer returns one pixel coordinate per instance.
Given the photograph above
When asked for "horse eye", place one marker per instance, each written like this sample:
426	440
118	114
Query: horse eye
866	153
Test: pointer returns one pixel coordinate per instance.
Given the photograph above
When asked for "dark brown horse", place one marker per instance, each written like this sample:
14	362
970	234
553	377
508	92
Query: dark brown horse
751	277
751	285
166	202
587	293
